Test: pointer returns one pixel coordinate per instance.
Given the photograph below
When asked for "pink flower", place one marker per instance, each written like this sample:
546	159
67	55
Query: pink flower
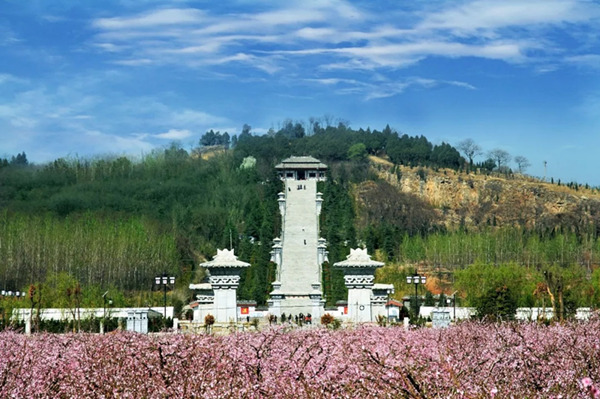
589	386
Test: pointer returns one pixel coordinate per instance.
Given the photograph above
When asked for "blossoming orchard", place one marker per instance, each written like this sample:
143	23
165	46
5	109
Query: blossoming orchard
469	360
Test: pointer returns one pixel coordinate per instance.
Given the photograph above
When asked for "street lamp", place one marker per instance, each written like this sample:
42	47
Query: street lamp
164	281
16	294
416	280
454	305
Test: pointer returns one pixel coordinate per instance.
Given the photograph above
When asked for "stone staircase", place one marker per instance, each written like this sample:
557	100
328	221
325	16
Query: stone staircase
299	267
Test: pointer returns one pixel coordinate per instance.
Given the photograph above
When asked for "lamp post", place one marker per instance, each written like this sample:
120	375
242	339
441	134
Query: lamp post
454	305
416	279
164	281
390	291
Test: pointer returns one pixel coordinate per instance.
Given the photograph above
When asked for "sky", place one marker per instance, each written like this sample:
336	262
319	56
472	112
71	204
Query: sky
90	79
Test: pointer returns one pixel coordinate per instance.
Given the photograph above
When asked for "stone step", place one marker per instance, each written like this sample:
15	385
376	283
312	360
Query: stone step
299	268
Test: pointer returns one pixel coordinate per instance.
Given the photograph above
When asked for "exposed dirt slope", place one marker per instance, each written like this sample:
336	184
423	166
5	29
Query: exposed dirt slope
477	200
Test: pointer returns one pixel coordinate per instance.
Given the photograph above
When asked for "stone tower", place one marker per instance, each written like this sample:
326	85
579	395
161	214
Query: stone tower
224	278
366	300
299	252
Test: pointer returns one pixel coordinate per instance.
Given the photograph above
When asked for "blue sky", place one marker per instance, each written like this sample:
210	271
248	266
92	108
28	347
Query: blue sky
87	79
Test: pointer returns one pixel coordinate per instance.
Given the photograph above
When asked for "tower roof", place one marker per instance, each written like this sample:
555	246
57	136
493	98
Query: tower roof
304	162
225	258
358	258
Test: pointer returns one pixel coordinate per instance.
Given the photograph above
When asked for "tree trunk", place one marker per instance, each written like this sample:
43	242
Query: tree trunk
553	303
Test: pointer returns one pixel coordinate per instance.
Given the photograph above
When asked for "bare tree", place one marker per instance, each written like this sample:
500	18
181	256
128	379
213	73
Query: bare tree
522	163
470	149
501	157
328	120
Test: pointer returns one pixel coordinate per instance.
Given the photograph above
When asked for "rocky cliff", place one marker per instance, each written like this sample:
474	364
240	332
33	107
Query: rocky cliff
475	200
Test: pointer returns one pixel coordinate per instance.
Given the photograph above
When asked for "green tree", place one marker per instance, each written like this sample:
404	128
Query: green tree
480	279
429	299
442	300
444	155
19	160
497	303
357	152
487	165
594	289
568	288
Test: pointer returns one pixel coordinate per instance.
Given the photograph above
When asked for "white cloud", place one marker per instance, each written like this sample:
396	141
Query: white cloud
461	84
16	115
55	120
193	37
110	47
316	33
403	54
188	117
106	143
135	62
8	78
152	19
325	40
389	89
349	36
481	17
383	88
287	16
585	60
8	36
174	134
333	81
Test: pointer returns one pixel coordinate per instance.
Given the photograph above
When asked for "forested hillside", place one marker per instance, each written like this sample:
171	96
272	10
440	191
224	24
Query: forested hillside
117	222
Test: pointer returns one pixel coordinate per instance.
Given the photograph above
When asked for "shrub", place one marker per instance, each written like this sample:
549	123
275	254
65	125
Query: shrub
327	319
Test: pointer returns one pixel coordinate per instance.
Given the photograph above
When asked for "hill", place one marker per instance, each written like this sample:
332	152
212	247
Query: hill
475	200
116	223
